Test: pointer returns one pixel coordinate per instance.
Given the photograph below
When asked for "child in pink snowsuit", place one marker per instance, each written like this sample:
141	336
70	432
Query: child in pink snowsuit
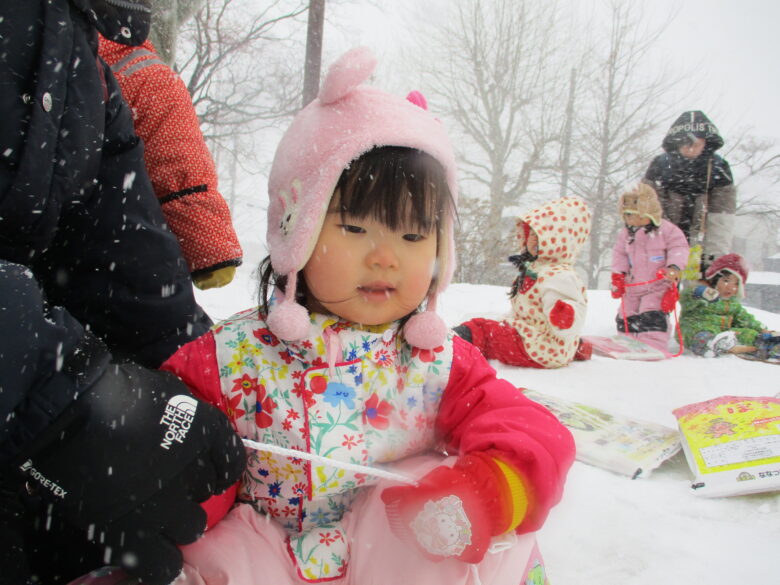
648	246
340	374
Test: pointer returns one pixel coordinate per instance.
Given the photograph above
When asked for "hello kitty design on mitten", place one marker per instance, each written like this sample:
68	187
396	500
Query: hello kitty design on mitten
442	527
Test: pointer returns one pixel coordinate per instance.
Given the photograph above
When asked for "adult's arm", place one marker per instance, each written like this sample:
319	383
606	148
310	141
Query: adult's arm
123	452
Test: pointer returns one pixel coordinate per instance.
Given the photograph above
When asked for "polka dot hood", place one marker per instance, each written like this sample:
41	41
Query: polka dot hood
562	226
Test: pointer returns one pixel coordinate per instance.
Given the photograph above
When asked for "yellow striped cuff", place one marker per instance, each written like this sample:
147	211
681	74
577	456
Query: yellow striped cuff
517	493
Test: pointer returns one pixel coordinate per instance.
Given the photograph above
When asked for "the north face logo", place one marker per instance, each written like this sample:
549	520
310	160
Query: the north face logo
178	416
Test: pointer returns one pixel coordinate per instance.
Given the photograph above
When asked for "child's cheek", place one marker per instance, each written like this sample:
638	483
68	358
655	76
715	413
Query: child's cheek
422	276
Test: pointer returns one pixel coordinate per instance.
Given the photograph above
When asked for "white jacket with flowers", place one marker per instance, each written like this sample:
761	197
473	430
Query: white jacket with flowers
360	395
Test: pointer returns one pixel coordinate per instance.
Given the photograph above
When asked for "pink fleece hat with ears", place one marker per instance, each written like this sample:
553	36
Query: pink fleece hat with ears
345	121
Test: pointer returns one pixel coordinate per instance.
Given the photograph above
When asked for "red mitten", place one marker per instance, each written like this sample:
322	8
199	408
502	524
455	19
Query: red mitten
453	512
562	315
670	298
618	285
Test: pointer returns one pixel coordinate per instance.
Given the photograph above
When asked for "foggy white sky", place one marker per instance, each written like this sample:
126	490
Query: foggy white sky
733	45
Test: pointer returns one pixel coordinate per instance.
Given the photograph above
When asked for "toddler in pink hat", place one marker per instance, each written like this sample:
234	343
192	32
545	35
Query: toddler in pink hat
350	124
347	387
713	320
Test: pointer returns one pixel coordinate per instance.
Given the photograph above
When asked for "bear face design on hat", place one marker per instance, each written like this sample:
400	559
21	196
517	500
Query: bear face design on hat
346	120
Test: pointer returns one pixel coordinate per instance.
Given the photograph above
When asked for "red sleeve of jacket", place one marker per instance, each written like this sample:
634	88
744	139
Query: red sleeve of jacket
177	159
480	412
196	365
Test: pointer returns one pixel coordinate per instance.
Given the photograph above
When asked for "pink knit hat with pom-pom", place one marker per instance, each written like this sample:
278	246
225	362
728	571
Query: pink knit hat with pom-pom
733	263
345	121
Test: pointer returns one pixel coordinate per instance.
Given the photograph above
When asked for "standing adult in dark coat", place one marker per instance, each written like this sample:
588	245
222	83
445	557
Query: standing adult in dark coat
695	185
100	462
76	204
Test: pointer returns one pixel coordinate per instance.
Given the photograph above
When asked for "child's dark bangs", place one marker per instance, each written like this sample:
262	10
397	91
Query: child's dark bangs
400	187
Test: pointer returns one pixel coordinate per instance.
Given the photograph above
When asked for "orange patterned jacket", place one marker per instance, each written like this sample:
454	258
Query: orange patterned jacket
177	159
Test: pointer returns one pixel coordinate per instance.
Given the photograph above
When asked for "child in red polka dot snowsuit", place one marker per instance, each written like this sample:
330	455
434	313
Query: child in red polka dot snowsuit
549	301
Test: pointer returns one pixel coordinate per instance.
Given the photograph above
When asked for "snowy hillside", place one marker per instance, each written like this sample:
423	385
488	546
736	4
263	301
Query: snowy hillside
609	529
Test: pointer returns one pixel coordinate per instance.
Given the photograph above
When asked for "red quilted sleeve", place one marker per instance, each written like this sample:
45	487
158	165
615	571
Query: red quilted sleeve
177	159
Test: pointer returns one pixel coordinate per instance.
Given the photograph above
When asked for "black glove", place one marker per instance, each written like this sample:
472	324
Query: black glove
129	461
13	557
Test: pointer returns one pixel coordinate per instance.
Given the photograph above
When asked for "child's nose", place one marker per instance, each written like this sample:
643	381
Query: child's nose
382	255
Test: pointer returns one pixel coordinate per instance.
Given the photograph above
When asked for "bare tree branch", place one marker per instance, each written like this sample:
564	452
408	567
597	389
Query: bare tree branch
620	109
491	68
234	56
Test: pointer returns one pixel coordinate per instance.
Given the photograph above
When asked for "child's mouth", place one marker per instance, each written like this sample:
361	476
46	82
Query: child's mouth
376	291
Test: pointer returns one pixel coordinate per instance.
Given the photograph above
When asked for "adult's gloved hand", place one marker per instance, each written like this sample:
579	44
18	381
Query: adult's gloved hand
129	461
618	285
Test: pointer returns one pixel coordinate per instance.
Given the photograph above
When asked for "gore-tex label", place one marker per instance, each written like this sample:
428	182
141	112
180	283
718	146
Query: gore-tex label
42	480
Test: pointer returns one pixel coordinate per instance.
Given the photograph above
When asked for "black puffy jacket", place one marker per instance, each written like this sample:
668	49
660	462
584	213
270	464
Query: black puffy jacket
76	204
671	171
46	360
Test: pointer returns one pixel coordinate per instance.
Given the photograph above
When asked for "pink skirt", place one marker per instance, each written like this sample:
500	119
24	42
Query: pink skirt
247	548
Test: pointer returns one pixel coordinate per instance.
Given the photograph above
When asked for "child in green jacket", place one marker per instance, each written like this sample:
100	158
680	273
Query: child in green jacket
713	321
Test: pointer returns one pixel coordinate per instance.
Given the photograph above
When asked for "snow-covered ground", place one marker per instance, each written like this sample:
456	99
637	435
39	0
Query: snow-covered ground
609	529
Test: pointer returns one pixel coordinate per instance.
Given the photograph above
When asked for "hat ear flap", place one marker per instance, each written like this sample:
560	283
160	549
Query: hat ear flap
523	229
740	280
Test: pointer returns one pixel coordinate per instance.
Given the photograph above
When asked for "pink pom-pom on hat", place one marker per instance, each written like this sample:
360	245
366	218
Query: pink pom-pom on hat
289	320
426	330
345	121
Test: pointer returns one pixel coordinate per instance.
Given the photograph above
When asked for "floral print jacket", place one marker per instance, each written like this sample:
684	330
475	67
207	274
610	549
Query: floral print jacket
360	395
